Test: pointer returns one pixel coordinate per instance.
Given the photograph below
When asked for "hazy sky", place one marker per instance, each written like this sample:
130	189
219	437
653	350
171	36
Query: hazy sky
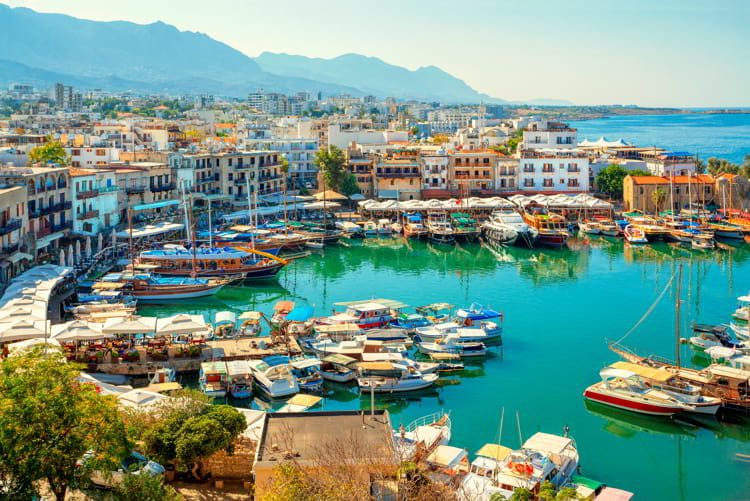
646	52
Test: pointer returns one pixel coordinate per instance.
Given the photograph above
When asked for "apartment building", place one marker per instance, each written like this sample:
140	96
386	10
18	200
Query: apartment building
553	170
435	174
682	191
92	156
398	177
547	134
506	174
361	165
14	222
95	200
471	172
144	183
47	203
300	153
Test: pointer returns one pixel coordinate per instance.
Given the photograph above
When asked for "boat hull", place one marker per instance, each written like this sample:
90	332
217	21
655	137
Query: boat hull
376	385
144	296
632	405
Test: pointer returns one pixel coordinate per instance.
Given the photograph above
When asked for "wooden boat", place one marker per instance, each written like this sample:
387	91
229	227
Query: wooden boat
336	368
609	228
365	315
240	379
652	229
213	379
370	228
439	230
726	230
552	228
413	227
246	263
635	235
590	227
147	288
307	372
464	226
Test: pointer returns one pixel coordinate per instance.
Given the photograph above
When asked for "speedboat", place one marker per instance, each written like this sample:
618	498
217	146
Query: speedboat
307	372
413	226
729	356
387	377
635	235
273	376
352	230
482	316
240	379
336	368
708	336
623	389
590	227
384	227
487	332
410	321
507	227
451	343
213	379
742	313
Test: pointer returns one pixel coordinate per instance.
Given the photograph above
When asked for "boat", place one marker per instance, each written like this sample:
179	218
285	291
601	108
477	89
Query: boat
280	311
609	228
498	471
384	227
410	321
451	343
464	226
300	403
336	368
439	230
486	333
179	261
224	325
742	313
552	228
350	229
665	381
623	389
388	377
213	379
703	241
423	435
370	228
413	227
315	244
397	228
507	227
726	231
307	372
732	357
634	235
590	227
250	326
273	376
240	379
651	228
365	314
149	288
482	316
708	336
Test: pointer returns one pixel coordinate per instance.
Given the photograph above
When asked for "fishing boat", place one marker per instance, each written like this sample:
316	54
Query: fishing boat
337	368
477	315
552	228
179	261
387	377
250	326
650	227
498	471
224	325
350	229
634	235
742	313
507	227
623	389
384	227
485	333
240	377
439	230
726	231
464	226
413	226
370	228
590	227
273	376
708	336
148	288
703	241
410	321
307	372
213	379
609	228
451	343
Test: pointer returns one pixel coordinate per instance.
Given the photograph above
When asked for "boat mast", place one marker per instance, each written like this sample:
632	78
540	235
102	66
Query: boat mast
188	230
210	240
130	238
249	210
677	304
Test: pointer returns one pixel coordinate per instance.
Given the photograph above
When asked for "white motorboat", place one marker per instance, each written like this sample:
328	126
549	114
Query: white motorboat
708	336
273	376
485	332
384	227
609	228
388	377
739	359
439	230
423	434
337	368
507	227
590	227
350	229
370	228
742	313
307	372
635	235
452	344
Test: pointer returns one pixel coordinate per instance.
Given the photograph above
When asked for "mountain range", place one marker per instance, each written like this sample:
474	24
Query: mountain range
42	49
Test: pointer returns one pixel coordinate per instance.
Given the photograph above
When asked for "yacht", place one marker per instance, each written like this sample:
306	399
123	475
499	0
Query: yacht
389	377
708	336
307	372
507	227
273	376
352	230
366	315
451	343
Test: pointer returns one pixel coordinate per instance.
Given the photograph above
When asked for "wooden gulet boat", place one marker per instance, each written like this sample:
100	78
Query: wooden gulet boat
147	288
552	228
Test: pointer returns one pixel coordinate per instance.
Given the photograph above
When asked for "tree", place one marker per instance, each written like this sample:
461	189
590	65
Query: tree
609	180
522	494
51	152
349	186
718	166
331	163
49	420
658	196
145	488
439	139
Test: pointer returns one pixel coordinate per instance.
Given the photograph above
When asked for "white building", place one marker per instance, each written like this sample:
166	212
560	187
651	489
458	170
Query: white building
95	207
92	156
557	170
545	134
506	174
300	153
343	138
435	171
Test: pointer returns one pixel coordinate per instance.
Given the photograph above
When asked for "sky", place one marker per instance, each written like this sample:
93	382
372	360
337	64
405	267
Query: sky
644	52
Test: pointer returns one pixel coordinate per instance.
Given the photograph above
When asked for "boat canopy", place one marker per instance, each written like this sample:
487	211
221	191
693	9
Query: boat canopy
339	359
548	443
300	314
304	400
744	299
435	307
283	306
376	366
225	317
338	328
214	367
238	367
447	456
650	373
477	312
494	451
305	363
251	315
388	303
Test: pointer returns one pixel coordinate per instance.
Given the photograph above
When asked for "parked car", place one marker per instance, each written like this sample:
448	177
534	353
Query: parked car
134	464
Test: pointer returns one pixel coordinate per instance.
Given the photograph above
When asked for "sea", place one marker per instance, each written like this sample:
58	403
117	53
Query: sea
704	134
561	309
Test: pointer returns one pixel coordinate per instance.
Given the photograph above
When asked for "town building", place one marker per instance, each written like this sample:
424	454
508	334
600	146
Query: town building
14	222
471	173
92	156
361	165
398	177
547	134
300	153
506	174
553	170
435	174
678	192
95	200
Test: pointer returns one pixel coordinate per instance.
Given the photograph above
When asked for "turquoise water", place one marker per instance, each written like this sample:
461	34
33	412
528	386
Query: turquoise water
560	308
720	135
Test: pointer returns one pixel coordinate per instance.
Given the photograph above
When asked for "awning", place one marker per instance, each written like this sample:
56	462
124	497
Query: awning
43	242
20	256
156	205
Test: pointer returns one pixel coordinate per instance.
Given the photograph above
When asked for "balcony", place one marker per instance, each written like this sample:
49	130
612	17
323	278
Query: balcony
62	227
9	249
162	187
529	169
109	189
92	214
62	206
241	181
548	169
398	174
83	195
269	177
47	210
574	169
205	180
131	190
9	226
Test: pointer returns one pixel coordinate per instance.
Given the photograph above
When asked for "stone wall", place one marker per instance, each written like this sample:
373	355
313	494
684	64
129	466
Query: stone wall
238	466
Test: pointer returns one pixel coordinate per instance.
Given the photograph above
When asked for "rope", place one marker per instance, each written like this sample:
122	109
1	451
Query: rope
649	310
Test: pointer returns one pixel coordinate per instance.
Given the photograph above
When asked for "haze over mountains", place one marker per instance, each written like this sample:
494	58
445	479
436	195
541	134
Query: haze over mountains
43	49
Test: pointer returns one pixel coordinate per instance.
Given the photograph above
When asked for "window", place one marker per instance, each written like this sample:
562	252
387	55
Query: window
100	152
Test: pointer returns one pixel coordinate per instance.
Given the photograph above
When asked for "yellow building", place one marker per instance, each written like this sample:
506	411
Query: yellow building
398	177
678	192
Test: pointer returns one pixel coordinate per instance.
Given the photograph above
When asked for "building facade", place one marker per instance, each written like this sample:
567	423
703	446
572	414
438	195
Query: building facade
95	200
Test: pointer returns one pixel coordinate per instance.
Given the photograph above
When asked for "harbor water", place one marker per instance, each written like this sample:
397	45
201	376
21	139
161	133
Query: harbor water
561	307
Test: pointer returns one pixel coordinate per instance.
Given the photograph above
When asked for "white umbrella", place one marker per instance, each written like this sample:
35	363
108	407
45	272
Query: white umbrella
135	325
88	247
78	251
23	329
11	315
101	242
62	257
71	258
77	330
181	324
21	346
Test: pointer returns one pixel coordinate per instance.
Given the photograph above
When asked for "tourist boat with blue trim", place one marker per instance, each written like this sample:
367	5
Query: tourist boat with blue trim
245	263
414	226
240	379
148	288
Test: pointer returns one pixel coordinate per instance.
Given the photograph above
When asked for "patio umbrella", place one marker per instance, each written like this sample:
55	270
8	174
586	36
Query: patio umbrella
329	195
23	329
88	247
101	242
78	330
12	315
135	325
62	257
78	251
71	257
20	346
181	324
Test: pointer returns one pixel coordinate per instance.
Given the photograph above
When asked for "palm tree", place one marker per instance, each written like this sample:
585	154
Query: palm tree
658	196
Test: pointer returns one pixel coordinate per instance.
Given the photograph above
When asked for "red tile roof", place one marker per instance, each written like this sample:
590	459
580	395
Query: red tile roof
648	180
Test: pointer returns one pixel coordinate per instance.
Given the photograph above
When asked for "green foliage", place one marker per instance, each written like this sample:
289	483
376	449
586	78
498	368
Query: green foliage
331	163
414	131
50	152
658	196
497	497
349	185
49	420
145	488
189	429
522	494
547	491
609	180
566	494
511	145
638	172
718	166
